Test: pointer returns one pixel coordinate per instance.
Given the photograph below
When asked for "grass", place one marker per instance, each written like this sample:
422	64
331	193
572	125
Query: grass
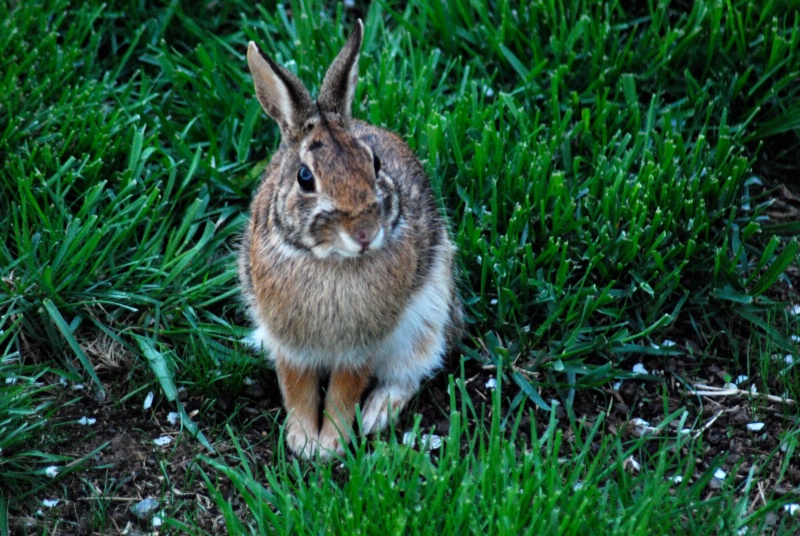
607	169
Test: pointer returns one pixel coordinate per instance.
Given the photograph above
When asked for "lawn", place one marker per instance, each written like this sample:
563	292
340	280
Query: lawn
621	181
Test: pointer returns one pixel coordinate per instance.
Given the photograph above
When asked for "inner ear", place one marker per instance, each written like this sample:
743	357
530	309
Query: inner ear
282	95
339	86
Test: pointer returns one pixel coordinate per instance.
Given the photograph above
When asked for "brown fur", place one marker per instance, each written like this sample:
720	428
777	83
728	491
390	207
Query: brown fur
313	268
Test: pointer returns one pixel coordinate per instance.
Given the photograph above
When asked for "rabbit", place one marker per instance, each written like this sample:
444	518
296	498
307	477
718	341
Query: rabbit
346	263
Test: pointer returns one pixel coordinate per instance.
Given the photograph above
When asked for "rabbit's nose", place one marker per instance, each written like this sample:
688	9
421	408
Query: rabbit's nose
365	235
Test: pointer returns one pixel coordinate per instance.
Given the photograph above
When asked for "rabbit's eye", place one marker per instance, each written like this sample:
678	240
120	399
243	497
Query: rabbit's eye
305	179
376	162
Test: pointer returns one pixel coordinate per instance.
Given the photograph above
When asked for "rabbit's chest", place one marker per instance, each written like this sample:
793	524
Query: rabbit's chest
341	310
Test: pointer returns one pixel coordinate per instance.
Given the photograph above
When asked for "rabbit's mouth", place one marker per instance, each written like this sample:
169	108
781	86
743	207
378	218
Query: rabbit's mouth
362	243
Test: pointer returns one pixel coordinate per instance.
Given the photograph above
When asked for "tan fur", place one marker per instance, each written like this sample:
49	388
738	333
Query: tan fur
352	278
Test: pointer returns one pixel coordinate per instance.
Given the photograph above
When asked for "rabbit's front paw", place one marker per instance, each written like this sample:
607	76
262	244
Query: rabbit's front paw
299	439
330	441
382	405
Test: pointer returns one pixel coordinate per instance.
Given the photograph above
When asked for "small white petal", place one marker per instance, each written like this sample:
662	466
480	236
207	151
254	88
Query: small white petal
491	383
617	385
741	379
638	368
667	343
11	381
795	338
755	426
686	431
156	521
148	400
641	426
578	485
431	441
636	466
719	474
50	503
677	479
78	387
86	421
249	381
753	389
493	301
792	508
410	439
52	471
795	309
730	385
788	359
172	417
163	440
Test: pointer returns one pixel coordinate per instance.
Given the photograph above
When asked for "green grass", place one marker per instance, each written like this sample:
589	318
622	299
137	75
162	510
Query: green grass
503	479
600	163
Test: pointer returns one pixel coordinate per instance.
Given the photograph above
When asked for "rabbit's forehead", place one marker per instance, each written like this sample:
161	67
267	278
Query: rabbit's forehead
342	163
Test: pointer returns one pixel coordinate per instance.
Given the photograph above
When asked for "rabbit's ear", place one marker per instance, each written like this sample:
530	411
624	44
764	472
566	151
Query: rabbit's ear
282	95
339	86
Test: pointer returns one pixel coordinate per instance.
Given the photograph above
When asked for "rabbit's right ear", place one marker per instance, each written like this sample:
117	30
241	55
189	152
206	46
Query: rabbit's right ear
282	95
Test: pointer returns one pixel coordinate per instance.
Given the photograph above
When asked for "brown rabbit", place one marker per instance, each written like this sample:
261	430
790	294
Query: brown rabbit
346	263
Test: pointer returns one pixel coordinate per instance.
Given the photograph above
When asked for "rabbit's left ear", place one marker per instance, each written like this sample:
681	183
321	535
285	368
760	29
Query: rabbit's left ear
339	86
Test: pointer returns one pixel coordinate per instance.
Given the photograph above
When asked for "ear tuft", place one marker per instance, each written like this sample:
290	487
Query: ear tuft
339	86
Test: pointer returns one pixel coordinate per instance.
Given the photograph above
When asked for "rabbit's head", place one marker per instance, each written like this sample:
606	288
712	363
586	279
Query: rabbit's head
330	196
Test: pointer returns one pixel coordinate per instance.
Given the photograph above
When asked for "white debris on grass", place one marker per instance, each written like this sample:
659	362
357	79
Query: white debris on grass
755	426
677	479
788	359
78	387
578	486
633	464
730	385
431	441
795	309
741	379
86	421
668	343
52	471
753	389
719	474
428	442
11	381
148	400
156	521
792	508
638	368
145	508
491	383
795	338
50	503
641	426
616	385
172	418
163	440
248	380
